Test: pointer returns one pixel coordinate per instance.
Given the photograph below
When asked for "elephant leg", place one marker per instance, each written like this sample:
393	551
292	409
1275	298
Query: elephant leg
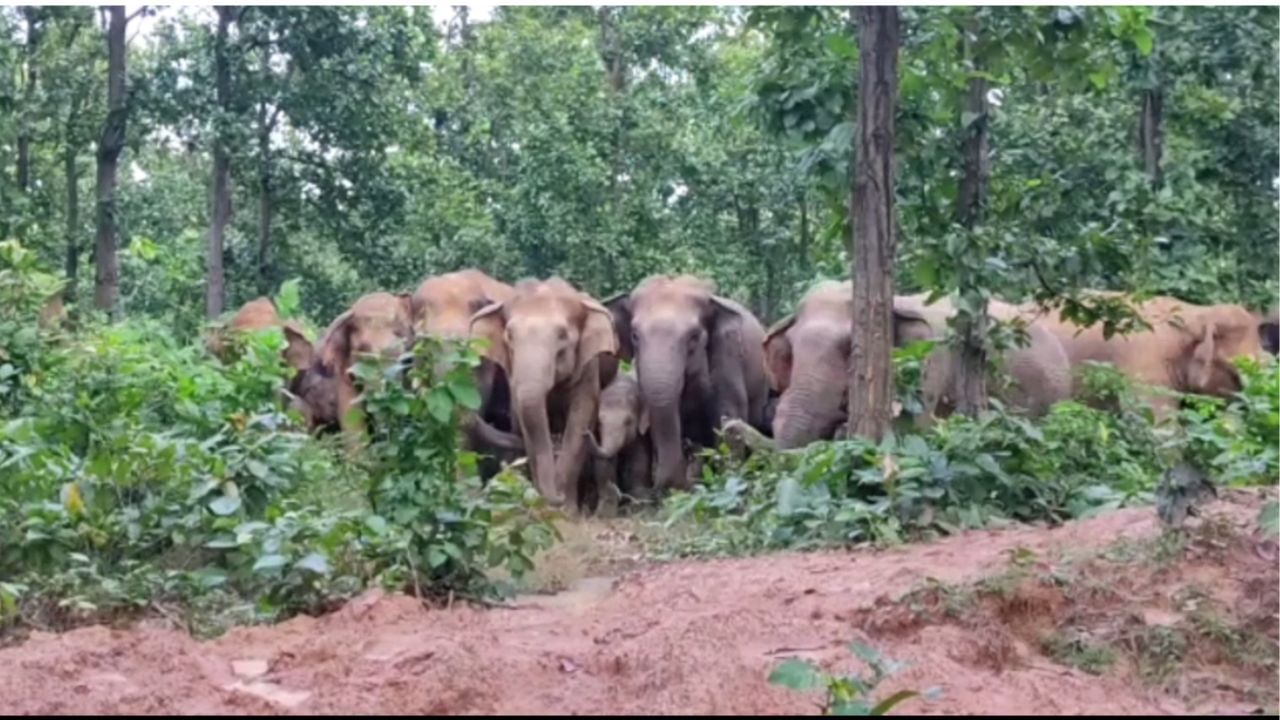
634	471
605	472
584	404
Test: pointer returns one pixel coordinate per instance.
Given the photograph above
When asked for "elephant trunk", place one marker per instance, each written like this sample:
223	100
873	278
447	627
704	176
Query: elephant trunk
531	382
597	452
662	385
810	409
489	436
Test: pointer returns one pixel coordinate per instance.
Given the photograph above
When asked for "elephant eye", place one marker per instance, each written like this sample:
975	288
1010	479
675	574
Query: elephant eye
635	338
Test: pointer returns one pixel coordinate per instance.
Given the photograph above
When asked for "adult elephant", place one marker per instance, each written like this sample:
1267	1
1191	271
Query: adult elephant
379	323
1188	348
260	314
556	347
1040	371
808	360
699	359
442	306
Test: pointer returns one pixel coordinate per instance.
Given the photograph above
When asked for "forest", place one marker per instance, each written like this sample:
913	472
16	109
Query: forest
390	198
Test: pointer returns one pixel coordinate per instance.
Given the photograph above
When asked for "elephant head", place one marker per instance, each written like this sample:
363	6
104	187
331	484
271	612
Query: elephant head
377	324
807	355
1209	338
548	339
698	359
442	307
260	314
618	421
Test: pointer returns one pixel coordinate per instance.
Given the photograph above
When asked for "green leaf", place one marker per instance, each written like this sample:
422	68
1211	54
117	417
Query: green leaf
440	404
225	505
852	708
841	45
797	675
968	118
1143	40
376	523
436	557
1099	79
269	562
466	395
315	562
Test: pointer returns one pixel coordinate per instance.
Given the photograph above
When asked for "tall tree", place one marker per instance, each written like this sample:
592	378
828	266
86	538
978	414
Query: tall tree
215	280
873	225
969	355
106	289
34	19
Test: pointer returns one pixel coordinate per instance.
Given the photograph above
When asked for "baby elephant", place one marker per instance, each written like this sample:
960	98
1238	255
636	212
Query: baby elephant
621	457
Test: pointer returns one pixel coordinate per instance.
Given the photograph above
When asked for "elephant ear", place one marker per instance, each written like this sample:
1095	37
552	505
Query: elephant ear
727	321
335	346
1200	364
777	354
491	324
597	339
299	353
620	307
910	326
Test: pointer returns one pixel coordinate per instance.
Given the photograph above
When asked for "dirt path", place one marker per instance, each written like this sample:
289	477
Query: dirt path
690	637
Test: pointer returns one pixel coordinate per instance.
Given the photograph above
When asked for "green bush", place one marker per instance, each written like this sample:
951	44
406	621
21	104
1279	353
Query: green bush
138	472
961	473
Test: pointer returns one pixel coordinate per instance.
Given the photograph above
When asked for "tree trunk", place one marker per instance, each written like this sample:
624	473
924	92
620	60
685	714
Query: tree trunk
106	289
215	284
1151	134
871	212
616	75
32	16
73	220
969	355
266	123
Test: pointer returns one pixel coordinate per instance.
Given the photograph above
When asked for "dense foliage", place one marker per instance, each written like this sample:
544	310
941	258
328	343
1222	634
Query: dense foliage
136	471
372	146
1130	148
970	473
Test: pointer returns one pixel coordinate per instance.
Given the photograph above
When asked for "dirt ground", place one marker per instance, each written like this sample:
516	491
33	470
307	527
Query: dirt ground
701	637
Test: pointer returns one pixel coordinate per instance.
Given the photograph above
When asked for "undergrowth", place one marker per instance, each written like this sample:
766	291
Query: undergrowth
138	474
1077	460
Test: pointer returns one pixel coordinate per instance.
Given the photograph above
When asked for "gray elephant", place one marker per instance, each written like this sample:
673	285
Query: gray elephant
699	360
807	356
621	456
1040	372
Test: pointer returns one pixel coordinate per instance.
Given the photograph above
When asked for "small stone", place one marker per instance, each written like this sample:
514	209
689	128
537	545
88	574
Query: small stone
250	668
1160	618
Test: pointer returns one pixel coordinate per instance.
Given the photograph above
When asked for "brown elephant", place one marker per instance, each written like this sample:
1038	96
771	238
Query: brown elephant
808	360
621	462
699	359
556	347
443	306
1040	371
377	324
260	314
1188	348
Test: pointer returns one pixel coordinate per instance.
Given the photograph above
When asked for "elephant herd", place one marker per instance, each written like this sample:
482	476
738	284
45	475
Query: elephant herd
551	388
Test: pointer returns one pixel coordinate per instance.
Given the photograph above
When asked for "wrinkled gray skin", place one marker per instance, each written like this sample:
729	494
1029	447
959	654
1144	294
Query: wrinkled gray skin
808	358
699	360
621	456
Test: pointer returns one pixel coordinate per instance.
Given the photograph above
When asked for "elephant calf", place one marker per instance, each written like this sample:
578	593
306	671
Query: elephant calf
621	457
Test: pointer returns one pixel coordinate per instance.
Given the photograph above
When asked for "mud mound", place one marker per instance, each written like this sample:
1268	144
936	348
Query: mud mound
691	637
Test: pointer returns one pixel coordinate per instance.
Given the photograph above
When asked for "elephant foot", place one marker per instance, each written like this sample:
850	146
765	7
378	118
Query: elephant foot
607	501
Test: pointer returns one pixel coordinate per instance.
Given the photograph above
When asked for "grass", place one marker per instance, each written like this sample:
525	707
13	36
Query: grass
1077	651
